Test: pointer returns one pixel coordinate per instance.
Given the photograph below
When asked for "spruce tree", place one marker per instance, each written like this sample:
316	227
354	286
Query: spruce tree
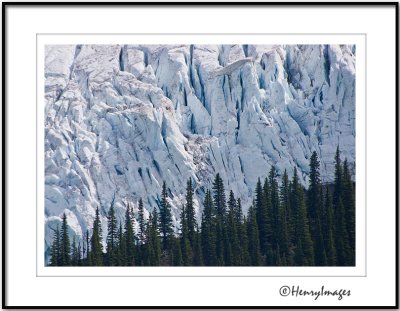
112	236
253	239
190	212
328	229
121	254
220	207
56	248
275	222
314	210
286	227
234	247
129	237
186	251
65	252
208	231
96	253
165	222
261	217
302	229
141	221
349	208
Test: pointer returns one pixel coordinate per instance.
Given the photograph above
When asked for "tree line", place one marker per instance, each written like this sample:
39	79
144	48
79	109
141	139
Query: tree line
287	225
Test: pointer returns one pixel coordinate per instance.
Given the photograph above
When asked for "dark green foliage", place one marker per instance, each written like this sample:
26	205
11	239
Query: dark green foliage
315	203
186	250
141	221
112	237
253	238
287	225
65	246
302	229
190	212
56	248
165	222
208	231
96	249
129	237
328	230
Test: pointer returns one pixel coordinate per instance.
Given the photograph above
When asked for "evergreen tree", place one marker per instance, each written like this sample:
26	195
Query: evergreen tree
314	210
56	248
165	222
220	208
156	238
261	217
349	209
285	220
197	253
74	255
234	247
343	251
186	252
96	253
208	231
121	254
275	223
253	239
302	229
112	236
65	252
129	237
141	221
328	228
190	212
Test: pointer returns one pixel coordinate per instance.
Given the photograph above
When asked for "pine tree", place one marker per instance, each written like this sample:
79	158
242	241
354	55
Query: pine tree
65	252
285	220
156	238
314	210
56	248
275	224
96	253
112	236
129	237
302	229
328	229
166	229
74	254
190	212
343	251
177	259
261	217
220	207
197	253
208	231
253	239
234	247
121	253
349	209
186	251
141	221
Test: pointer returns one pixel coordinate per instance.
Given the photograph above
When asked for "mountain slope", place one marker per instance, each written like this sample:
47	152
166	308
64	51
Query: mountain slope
120	120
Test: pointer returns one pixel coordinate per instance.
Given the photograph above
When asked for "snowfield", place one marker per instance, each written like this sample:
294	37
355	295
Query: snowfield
123	119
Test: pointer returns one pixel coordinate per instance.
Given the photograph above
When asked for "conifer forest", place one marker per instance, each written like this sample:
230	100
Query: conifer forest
287	225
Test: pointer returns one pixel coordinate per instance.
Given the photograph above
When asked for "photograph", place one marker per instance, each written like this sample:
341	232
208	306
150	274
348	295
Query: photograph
199	155
176	155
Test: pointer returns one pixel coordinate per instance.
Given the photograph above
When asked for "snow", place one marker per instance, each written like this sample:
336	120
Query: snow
125	118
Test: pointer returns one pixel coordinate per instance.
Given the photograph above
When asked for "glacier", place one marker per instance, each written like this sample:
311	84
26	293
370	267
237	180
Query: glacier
121	119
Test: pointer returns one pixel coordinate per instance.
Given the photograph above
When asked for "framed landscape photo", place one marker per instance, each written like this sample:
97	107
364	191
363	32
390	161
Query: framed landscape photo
168	155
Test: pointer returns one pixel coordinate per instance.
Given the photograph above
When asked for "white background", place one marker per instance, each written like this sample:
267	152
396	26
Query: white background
25	288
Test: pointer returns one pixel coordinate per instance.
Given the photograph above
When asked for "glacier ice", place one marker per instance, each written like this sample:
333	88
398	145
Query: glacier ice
123	118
